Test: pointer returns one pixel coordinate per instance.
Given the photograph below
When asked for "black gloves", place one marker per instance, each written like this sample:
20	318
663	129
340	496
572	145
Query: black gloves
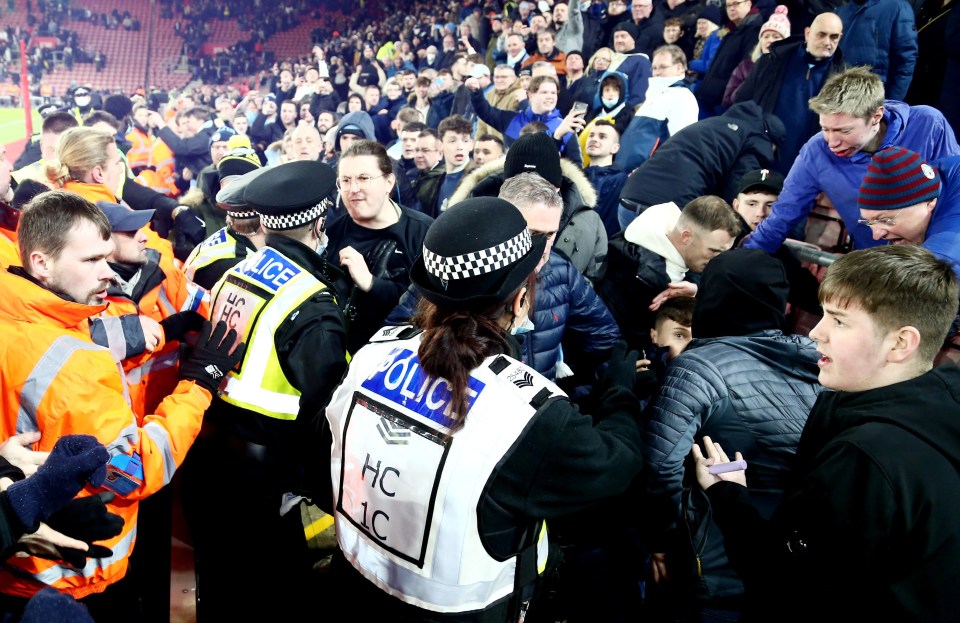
75	460
621	370
178	325
211	358
379	259
87	519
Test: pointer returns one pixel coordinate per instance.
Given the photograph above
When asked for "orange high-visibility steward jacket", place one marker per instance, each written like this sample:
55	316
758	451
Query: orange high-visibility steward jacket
57	381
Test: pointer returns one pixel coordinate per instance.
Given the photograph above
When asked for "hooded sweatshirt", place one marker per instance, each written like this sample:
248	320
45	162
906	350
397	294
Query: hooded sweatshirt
649	230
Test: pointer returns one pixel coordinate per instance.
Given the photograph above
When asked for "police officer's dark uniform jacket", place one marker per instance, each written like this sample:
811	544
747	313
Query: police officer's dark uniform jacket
256	434
307	348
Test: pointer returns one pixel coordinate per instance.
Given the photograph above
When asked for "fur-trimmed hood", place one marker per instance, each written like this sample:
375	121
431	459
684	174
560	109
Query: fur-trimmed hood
485	181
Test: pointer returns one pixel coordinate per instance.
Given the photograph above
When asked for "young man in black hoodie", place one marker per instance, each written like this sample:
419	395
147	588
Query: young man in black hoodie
868	528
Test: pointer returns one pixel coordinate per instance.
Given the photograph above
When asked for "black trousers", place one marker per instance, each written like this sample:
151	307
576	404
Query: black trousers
250	561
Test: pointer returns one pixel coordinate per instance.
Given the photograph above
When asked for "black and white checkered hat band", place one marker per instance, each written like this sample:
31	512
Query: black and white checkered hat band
478	262
247	214
292	221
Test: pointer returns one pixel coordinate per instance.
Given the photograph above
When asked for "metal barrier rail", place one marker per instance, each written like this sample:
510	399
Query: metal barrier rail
814	255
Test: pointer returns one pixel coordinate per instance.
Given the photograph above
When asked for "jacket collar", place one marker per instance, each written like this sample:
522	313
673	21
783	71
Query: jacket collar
91	192
27	299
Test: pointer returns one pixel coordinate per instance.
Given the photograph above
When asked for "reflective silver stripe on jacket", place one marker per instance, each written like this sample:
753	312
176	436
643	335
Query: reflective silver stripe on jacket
94	566
47	368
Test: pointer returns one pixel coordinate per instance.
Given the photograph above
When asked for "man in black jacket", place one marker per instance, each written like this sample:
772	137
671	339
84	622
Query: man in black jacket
868	527
706	158
649	26
258	431
784	80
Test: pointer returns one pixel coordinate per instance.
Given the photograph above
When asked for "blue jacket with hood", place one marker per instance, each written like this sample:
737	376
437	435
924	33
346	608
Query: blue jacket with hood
883	35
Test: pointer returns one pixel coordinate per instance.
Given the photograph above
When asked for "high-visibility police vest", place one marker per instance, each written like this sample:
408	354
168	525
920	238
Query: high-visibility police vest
220	246
407	491
255	297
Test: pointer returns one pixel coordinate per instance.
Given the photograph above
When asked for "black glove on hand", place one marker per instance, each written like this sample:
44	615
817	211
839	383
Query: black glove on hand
211	358
75	460
178	325
381	257
74	557
622	369
87	519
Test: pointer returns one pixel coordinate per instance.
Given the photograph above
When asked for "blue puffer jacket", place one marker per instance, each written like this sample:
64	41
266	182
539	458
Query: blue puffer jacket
750	394
883	35
566	311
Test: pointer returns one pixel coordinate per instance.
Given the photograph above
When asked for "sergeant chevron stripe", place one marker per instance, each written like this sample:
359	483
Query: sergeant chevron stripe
392	433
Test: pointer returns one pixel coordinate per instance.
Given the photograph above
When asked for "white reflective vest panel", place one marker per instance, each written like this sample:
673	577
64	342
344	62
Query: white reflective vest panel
406	495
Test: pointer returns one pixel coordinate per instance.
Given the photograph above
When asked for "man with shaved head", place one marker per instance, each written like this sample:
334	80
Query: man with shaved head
306	143
793	72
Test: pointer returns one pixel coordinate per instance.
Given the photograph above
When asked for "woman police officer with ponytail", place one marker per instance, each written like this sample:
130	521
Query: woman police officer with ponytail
449	457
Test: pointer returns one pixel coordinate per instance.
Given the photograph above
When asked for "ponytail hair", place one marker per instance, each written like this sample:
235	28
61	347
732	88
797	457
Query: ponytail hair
79	151
455	342
57	172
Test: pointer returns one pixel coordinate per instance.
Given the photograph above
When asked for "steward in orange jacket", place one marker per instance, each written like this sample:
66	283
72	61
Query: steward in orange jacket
56	381
148	283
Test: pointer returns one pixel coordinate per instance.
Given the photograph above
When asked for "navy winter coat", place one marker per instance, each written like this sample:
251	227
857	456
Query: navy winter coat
566	310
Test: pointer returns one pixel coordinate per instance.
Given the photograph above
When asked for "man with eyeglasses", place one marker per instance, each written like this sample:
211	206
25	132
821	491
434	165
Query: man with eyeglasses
904	200
734	47
427	152
669	98
375	243
789	75
503	95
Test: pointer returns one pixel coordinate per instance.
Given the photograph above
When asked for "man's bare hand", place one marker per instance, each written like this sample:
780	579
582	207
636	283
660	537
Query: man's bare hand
680	288
17	450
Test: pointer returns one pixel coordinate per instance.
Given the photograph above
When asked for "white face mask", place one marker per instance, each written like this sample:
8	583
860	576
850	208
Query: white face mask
609	103
526	326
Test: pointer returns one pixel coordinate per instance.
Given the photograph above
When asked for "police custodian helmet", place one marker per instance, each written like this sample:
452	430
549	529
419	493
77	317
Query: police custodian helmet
291	195
476	254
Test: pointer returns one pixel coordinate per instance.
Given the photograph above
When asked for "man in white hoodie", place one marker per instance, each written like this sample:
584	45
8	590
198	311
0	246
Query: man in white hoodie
663	245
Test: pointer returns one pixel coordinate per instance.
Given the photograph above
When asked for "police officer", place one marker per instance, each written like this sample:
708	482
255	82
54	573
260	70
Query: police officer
241	236
248	453
448	453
